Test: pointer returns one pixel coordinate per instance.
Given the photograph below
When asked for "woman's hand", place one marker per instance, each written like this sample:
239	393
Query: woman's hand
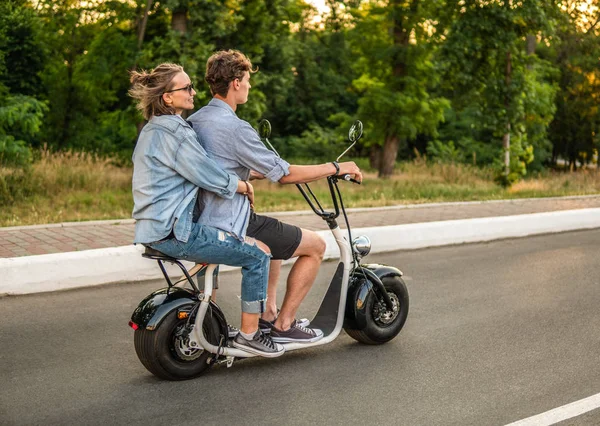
255	175
250	195
246	188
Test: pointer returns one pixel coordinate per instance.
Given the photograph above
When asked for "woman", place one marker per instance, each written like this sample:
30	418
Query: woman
169	165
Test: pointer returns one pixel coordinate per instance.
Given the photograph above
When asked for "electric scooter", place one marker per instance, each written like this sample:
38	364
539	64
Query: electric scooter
181	332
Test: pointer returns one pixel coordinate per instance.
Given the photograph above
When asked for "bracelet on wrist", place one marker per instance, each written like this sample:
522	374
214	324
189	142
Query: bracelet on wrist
337	167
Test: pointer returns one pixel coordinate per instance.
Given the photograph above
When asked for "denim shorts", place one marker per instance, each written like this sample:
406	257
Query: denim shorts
210	245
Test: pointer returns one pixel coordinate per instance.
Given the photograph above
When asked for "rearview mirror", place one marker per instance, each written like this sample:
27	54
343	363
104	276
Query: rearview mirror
264	128
355	131
354	134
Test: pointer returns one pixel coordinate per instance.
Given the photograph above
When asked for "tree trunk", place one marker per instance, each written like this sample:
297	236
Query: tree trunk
143	23
530	49
506	147
401	36
531	43
375	157
179	20
66	125
506	137
388	158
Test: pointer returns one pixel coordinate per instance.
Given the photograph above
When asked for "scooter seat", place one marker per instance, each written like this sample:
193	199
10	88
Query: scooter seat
151	253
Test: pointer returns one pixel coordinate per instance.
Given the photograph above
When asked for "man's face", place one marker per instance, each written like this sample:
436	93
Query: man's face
243	87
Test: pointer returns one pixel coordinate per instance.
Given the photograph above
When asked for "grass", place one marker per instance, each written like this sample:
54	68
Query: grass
65	187
68	187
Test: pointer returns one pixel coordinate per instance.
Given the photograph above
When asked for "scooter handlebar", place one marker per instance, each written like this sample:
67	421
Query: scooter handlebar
349	178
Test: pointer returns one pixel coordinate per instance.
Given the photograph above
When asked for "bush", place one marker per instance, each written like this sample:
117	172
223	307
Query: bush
20	118
13	152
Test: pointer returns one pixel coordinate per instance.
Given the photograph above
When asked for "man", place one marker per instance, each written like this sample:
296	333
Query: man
236	146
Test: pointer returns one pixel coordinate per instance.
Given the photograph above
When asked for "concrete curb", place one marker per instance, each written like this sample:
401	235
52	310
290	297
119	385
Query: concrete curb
310	212
51	272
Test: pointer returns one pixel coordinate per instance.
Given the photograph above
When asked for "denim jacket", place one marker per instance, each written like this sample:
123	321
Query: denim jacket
236	147
168	167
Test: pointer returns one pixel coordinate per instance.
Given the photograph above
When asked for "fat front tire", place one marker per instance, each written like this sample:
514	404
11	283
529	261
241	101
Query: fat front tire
382	324
165	353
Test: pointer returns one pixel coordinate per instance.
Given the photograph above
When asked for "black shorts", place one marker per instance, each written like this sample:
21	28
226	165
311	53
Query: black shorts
281	238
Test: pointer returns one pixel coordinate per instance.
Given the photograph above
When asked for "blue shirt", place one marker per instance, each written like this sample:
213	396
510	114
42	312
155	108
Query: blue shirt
168	167
235	146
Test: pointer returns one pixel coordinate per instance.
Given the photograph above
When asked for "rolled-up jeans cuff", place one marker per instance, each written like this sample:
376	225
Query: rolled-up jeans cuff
254	307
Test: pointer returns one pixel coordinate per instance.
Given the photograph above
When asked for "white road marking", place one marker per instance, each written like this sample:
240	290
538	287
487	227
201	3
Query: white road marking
561	413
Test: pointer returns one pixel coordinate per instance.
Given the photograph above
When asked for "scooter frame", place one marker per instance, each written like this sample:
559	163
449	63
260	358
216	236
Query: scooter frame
337	288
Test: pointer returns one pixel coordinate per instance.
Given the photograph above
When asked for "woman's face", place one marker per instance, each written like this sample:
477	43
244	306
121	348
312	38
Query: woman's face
181	94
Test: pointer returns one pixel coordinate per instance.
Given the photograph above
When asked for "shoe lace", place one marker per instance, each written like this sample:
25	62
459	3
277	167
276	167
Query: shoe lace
265	340
304	329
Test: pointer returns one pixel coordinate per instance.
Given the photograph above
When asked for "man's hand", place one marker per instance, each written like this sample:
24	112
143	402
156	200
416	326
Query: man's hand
256	175
350	168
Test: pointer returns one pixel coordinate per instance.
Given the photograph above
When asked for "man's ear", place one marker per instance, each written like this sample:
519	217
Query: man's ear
236	84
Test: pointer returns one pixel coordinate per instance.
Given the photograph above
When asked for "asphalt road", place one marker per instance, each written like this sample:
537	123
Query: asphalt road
496	332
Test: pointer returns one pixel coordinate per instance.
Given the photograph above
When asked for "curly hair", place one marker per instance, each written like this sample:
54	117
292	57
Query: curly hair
223	67
148	88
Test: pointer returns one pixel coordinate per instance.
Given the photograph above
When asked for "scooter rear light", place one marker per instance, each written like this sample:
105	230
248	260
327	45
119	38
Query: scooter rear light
133	325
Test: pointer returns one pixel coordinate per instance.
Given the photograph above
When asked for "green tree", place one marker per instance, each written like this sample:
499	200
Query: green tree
487	66
576	125
321	74
397	76
21	60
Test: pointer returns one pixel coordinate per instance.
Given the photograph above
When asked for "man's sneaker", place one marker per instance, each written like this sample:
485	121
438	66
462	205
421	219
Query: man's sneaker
260	345
266	326
297	334
232	331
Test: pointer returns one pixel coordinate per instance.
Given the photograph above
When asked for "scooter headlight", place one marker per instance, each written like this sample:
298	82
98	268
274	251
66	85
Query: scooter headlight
362	245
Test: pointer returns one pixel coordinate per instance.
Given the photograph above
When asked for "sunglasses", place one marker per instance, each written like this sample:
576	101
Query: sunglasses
189	89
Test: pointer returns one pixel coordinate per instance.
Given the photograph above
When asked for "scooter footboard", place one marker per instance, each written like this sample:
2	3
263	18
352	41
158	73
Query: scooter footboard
327	314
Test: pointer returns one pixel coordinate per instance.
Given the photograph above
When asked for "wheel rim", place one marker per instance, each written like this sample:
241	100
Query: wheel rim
180	345
384	316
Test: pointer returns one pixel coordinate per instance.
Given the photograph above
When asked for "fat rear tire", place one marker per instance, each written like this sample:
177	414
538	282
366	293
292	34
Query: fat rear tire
161	352
377	330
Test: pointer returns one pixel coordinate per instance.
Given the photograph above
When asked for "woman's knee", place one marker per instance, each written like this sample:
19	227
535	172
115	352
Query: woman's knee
265	248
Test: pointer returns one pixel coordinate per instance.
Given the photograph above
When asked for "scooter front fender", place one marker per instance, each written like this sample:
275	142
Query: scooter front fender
382	271
360	289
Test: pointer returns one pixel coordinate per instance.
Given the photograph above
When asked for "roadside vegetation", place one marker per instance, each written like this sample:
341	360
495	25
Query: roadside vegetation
512	87
67	186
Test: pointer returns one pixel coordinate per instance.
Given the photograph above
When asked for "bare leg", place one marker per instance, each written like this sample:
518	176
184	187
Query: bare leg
249	322
310	253
274	272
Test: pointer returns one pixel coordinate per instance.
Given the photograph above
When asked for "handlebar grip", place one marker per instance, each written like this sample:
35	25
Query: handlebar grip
347	177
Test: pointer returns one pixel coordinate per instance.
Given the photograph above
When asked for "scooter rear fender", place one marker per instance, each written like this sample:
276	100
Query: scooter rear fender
155	307
359	290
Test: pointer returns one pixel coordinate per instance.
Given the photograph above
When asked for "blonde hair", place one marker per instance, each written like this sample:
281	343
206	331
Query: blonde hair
148	88
223	67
